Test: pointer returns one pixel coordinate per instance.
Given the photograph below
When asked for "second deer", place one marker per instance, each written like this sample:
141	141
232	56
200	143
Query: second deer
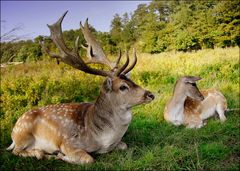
191	107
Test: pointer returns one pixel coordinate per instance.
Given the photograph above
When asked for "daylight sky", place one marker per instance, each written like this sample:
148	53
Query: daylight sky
32	16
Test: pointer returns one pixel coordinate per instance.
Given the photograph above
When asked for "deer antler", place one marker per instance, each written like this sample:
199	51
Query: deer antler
133	64
70	57
94	52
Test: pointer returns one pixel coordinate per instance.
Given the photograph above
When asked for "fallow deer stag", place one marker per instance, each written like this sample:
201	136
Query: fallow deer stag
191	107
71	131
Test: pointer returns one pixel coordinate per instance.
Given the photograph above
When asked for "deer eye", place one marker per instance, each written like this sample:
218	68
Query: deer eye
123	87
193	84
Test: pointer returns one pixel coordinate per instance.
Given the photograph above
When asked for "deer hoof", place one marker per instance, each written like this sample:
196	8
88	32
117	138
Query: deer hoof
121	146
86	159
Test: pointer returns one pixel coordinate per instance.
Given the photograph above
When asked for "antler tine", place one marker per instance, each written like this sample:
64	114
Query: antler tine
51	54
70	57
76	45
119	58
56	34
117	61
94	50
133	64
120	70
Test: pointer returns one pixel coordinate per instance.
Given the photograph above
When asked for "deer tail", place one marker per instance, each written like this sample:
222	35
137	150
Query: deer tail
11	146
231	110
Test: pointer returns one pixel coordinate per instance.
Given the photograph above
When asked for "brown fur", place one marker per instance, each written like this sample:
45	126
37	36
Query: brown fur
75	129
186	106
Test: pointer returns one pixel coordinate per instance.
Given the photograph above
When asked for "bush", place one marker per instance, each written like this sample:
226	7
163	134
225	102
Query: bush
186	42
153	143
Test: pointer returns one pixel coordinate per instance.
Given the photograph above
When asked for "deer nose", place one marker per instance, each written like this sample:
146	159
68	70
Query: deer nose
148	94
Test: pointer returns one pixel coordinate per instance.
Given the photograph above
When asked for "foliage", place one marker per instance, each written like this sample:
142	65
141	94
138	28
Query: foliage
21	51
153	144
182	25
185	41
116	29
154	27
29	52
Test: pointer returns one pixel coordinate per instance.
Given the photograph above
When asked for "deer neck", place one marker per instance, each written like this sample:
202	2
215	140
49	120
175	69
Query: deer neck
111	122
110	112
176	107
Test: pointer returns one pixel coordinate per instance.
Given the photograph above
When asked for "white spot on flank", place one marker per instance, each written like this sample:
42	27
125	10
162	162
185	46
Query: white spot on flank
47	124
15	129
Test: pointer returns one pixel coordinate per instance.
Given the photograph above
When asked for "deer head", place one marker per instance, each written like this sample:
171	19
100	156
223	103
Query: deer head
117	84
187	85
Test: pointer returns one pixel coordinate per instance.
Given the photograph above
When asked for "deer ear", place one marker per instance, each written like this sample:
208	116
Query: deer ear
128	75
107	85
192	79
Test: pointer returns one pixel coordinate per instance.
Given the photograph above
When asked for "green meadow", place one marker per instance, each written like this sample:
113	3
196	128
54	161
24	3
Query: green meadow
153	143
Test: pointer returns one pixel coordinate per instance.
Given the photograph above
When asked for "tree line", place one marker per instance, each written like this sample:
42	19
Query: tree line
152	28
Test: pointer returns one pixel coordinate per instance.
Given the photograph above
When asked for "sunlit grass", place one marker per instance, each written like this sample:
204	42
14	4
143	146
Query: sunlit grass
153	144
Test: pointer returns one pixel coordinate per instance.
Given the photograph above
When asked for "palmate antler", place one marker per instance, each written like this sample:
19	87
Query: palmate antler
94	52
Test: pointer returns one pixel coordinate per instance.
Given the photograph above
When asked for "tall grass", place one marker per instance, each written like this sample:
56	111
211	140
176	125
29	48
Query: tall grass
153	144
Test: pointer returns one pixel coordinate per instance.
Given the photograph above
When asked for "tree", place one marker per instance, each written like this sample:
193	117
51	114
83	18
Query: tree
139	20
128	32
116	29
156	27
227	18
104	38
30	51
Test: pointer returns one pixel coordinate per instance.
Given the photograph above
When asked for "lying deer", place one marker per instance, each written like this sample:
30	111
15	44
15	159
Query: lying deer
191	107
71	131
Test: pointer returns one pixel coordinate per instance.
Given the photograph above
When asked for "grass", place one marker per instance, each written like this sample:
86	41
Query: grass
153	144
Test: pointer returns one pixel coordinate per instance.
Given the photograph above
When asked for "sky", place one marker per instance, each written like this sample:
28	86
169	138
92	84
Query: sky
33	16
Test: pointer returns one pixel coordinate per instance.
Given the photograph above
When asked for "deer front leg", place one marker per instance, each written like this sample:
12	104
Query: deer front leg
121	146
196	124
74	155
39	154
